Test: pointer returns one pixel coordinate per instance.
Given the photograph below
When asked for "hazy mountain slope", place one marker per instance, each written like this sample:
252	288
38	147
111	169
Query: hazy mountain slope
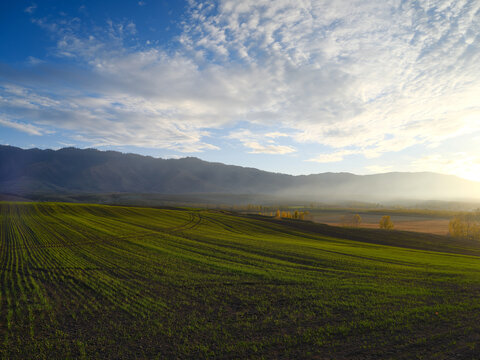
92	171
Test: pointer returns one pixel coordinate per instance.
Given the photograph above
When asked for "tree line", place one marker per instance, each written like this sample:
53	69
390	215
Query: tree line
300	215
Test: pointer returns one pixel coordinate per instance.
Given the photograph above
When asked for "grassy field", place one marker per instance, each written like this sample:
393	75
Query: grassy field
91	281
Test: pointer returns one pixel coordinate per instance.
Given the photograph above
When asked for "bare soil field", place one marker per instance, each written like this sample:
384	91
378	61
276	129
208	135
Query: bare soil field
431	225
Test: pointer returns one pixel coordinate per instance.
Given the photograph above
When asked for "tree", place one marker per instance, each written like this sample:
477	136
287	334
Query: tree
465	225
386	222
456	227
351	220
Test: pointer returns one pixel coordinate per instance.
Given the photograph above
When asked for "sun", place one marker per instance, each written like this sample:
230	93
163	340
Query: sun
469	170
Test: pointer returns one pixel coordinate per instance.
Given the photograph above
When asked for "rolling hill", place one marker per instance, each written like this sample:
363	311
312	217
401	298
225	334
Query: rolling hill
92	281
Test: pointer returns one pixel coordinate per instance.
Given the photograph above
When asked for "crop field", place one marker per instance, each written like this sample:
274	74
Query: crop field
93	281
419	223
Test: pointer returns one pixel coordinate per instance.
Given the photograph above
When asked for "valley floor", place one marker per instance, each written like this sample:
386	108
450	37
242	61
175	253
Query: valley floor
425	224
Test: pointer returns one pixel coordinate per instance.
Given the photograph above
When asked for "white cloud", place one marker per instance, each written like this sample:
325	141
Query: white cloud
276	134
257	148
259	143
332	157
360	77
351	72
27	128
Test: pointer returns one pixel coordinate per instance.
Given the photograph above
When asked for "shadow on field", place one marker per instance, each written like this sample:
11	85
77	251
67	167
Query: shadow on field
405	239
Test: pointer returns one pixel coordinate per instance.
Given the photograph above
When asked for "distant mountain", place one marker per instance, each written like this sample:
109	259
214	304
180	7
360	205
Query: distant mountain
72	170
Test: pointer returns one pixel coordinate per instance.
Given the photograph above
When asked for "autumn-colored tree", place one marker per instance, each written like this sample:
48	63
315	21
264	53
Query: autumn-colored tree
465	225
386	222
456	227
351	220
278	215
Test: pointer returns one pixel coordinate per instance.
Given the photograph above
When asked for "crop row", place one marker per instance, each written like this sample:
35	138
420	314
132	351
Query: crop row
120	282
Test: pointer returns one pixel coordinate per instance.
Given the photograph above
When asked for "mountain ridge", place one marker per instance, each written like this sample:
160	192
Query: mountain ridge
70	169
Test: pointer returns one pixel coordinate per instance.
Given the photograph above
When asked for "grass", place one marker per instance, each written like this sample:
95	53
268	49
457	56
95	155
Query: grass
92	281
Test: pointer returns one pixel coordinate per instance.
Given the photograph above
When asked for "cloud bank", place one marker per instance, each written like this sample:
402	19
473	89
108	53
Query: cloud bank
357	77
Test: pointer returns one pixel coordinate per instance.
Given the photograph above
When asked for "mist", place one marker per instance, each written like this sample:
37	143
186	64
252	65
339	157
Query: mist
383	188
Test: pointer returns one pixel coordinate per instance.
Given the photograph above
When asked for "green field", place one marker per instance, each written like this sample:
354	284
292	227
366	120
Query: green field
92	281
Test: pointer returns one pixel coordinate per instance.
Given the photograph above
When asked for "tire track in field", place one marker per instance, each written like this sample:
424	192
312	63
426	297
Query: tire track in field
194	222
222	224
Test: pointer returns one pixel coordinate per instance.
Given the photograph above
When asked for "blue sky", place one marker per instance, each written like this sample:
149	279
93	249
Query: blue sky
292	86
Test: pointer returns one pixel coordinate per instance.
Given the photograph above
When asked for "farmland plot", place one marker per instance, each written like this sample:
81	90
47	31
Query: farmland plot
91	281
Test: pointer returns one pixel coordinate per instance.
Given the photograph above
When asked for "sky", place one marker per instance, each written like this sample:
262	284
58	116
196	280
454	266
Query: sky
290	86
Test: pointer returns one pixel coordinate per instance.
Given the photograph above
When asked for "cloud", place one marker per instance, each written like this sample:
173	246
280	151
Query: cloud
276	134
332	157
352	72
31	9
256	142
34	61
257	148
27	128
358	77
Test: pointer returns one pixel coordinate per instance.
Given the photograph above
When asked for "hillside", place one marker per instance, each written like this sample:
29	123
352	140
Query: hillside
90	281
71	170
